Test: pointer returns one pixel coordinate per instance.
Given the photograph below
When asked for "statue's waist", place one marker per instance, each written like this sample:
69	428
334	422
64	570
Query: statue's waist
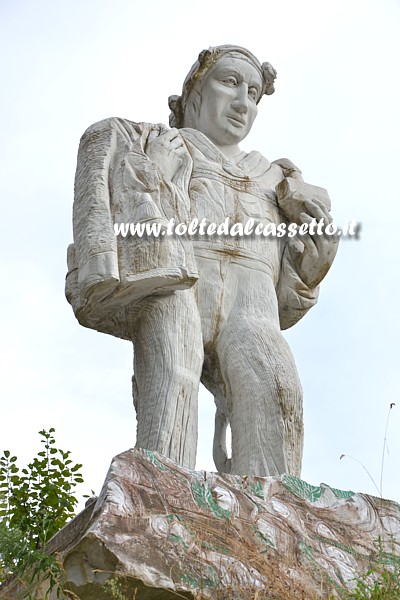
234	253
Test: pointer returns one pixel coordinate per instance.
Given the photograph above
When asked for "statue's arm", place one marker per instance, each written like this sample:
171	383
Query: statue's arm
92	258
295	298
305	259
93	265
117	182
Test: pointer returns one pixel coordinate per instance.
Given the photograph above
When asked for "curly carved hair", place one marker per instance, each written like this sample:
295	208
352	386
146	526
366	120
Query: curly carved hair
206	61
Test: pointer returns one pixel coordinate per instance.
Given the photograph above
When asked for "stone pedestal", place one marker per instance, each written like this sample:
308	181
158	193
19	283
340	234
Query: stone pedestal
160	531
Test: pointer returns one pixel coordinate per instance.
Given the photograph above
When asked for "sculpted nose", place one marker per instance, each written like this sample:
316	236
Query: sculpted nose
240	103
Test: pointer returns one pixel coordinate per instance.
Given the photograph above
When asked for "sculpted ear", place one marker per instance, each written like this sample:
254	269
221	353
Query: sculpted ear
175	104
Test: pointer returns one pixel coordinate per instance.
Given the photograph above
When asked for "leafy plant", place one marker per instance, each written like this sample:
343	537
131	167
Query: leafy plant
117	589
35	503
385	587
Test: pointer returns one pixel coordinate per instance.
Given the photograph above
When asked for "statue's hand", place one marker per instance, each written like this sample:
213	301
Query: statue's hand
314	255
167	151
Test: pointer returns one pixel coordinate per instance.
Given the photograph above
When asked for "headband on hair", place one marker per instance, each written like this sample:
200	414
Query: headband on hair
206	59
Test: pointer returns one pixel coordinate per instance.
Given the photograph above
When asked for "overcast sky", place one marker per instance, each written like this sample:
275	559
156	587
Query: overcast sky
335	114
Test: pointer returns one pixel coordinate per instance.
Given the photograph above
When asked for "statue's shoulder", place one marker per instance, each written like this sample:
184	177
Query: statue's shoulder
117	127
288	168
271	172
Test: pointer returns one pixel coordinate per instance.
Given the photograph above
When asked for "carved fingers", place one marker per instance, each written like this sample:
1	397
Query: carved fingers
167	151
319	246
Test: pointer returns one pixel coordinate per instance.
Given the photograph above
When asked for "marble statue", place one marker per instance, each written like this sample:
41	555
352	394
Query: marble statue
206	308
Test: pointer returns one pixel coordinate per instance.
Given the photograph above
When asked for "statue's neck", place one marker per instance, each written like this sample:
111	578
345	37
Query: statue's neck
230	152
233	151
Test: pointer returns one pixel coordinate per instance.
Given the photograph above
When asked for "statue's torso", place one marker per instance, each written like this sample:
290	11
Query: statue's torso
242	190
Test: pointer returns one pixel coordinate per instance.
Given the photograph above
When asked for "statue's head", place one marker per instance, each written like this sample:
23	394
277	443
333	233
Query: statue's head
221	92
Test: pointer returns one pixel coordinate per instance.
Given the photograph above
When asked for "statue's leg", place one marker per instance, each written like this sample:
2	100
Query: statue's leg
168	358
263	391
265	399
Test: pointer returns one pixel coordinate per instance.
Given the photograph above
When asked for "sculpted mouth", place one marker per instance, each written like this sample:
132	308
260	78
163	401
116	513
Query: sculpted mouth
237	120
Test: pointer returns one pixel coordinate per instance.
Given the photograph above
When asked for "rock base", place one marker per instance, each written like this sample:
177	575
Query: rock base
159	531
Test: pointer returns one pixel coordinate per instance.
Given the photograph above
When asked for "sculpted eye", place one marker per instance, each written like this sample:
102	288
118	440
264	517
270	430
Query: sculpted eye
253	93
231	80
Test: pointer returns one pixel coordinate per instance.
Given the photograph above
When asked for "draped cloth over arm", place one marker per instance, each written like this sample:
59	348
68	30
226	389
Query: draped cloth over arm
117	183
295	298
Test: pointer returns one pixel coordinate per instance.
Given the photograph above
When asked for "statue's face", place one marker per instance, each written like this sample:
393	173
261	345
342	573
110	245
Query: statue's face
228	106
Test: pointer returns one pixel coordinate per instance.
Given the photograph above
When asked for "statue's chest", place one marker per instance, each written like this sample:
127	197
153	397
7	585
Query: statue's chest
220	191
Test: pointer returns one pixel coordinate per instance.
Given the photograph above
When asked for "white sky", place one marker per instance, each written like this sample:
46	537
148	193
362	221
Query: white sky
335	113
